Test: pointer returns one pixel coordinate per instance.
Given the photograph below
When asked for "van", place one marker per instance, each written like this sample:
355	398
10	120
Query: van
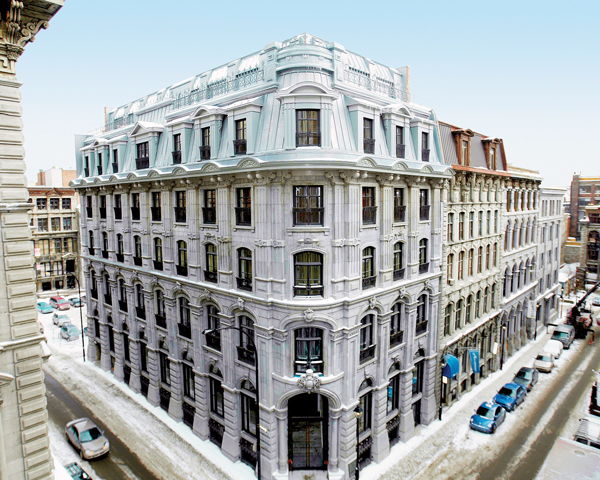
565	334
588	432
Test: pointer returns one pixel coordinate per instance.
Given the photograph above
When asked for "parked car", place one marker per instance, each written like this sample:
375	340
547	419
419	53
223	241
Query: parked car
75	302
588	432
60	320
43	307
544	362
60	303
488	417
510	396
565	334
76	472
555	347
596	301
87	438
69	332
527	377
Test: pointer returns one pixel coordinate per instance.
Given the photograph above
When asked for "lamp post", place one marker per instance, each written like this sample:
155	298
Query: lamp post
503	342
358	412
209	331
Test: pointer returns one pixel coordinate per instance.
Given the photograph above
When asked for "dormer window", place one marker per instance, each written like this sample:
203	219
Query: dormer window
143	156
425	146
308	128
205	147
176	149
400	146
115	162
239	144
86	169
368	140
492	159
465	152
99	164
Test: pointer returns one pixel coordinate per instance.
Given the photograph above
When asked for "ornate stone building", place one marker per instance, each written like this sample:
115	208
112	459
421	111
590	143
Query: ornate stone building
24	450
291	197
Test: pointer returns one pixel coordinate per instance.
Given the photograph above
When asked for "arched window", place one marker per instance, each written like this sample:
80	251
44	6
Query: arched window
418	377
367	341
447	317
450	267
487	257
185	324
450	232
365	402
470	257
158	254
423	256
398	261
461	265
213	339
515	279
120	247
478	305
393	393
244	281
421	321
309	349
479	259
486	300
217	397
368	268
182	262
210	274
468	309
248	398
246	351
458	315
160	316
396	332
461	226
308	274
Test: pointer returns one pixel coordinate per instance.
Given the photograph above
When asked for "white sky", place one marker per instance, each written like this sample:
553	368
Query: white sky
523	71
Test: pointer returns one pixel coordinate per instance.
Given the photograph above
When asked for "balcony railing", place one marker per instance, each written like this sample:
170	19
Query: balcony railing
91	250
308	290
118	213
243	216
210	276
180	214
182	270
424	267
158	265
135	213
367	354
142	162
89	211
104	253
239	146
396	338
369	145
161	321
308	139
176	157
115	167
99	169
209	215
205	152
368	282
400	151
246	356
308	216
400	213
123	305
248	453
424	212
108	299
120	257
244	283
156	214
189	412
421	328
399	274
94	293
369	215
213	340
102	212
425	154
215	432
184	330
86	171
137	261
140	313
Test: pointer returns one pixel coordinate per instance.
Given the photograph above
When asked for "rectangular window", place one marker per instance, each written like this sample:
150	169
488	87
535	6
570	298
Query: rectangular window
180	207
67	223
156	208
115	164
135	206
216	397
399	207
40	203
188	381
239	143
369	211
66	204
309	350
308	274
58	245
205	147
243	210
369	141
480	224
461	226
308	205
425	146
209	210
366	404
308	128
100	164
143	156
248	414
54	203
55	223
450	235
165	373
400	146
176	149
424	204
465	152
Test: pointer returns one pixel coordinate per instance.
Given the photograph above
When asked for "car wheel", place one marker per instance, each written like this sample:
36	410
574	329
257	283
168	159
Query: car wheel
494	429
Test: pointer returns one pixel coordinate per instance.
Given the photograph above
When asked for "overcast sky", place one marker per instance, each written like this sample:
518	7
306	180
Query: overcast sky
525	71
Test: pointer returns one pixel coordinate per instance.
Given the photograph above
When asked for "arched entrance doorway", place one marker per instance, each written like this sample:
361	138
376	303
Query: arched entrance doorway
308	444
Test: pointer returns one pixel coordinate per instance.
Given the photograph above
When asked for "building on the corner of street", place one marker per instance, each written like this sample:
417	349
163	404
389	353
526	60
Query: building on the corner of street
54	222
295	194
24	443
590	244
549	232
584	191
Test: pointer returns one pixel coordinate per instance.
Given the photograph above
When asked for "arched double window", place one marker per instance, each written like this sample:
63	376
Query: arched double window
308	274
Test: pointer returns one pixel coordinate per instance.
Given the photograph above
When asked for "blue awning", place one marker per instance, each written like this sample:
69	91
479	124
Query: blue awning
452	366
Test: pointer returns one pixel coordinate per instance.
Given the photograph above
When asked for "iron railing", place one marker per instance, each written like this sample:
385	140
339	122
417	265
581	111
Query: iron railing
135	213
367	354
120	257
189	412
368	282
161	320
396	338
308	139
145	384
108	299
239	146
369	215
142	162
123	305
246	356
156	214
176	157
209	215
91	250
86	171
89	212
248	453
400	150
205	152
119	122
158	265
364	80
210	276
421	328
308	216
215	432
399	274
99	169
104	253
424	267
400	213
213	340
140	312
308	290
137	261
182	270
244	283
180	214
118	213
425	154
115	167
243	216
424	212
369	145
165	398
102	211
184	330
392	429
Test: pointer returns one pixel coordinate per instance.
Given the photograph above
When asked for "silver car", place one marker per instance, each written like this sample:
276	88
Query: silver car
544	362
86	437
69	332
60	319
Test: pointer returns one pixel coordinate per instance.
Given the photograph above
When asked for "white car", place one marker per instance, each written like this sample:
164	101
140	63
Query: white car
544	362
554	347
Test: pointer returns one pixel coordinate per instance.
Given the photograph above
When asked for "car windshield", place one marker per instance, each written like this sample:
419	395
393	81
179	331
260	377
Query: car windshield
560	335
544	358
485	412
524	374
507	392
90	435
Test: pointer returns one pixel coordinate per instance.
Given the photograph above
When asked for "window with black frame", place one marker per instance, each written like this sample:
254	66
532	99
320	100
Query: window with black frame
182	262
140	305
118	208
210	274
158	254
366	404
417	383
399	261
137	250
400	146
308	128
396	332
423	256
399	206
185	325
248	398
393	397
244	281
165	368
189	382
308	205
156	208
308	274
180	206
424	206
143	156
243	209
421	320
120	253
176	149
368	139
425	146
369	209
213	339
209	210
135	206
246	352
205	147
159	314
368	268
309	350
367	341
217	402
239	144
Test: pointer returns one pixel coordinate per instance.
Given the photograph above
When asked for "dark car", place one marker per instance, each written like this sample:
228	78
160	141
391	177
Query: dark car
526	377
76	472
488	417
86	437
510	396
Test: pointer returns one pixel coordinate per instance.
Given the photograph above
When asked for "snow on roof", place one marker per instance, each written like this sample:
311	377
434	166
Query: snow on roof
218	74
249	63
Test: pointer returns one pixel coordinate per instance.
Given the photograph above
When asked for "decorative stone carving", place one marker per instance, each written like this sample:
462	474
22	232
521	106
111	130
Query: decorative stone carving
309	314
372	302
344	242
309	382
309	241
240	303
436	231
414	234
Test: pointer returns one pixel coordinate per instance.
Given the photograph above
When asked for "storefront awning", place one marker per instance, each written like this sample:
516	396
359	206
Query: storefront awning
452	366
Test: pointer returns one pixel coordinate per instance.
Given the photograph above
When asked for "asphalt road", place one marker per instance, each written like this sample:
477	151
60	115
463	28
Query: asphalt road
120	463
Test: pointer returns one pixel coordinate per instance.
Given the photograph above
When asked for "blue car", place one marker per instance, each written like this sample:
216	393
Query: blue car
510	396
488	417
44	307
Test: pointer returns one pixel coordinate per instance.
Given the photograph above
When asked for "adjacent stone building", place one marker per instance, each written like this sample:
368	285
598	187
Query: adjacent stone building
24	449
585	191
292	197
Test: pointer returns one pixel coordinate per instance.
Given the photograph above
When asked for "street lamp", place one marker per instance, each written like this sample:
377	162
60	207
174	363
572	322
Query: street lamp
210	331
503	336
80	307
358	412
